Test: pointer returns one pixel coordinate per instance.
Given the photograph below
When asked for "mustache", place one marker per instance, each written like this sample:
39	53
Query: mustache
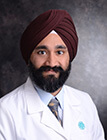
48	68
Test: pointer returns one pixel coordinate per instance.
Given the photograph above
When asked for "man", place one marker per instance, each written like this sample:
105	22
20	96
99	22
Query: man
44	108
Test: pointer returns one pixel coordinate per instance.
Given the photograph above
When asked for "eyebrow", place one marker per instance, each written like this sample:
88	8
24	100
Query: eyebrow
41	47
45	47
60	47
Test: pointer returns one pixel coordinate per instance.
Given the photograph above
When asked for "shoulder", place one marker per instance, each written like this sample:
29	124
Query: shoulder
76	92
82	100
11	98
16	94
17	98
82	97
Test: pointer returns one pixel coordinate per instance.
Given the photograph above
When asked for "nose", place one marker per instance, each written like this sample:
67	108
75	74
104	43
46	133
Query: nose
52	60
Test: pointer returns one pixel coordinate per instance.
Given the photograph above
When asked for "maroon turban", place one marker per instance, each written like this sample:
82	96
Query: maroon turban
57	20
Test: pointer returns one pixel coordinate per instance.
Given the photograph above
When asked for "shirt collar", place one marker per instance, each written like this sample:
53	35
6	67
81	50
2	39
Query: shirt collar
46	96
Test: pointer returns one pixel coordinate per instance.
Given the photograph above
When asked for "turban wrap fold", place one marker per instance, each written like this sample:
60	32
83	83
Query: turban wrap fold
57	20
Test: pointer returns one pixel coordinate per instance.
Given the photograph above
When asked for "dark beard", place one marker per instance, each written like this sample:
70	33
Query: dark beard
49	83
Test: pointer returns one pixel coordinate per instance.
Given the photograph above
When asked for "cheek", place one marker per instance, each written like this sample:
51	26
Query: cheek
35	61
65	65
65	62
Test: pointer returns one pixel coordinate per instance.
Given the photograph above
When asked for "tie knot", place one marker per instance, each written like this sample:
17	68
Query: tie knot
53	104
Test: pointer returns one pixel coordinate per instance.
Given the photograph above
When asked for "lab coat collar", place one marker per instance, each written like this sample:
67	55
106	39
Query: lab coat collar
52	122
72	112
33	101
71	96
71	102
35	104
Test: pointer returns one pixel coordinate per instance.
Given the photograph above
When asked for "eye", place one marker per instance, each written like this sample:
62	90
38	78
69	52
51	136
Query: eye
60	52
41	52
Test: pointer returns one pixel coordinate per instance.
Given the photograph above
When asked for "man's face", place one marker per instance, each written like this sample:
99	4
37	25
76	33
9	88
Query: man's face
51	51
50	62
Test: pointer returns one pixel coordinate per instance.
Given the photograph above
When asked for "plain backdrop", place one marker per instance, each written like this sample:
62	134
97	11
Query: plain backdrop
89	69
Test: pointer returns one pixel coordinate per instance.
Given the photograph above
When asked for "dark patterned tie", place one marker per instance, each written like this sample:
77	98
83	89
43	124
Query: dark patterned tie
53	105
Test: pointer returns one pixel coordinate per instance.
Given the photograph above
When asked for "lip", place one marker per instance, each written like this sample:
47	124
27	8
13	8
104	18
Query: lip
50	72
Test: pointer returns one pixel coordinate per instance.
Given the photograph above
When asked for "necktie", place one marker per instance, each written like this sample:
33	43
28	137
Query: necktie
53	106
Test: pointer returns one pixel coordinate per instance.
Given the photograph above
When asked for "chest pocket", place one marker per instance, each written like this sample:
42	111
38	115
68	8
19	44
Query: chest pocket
80	132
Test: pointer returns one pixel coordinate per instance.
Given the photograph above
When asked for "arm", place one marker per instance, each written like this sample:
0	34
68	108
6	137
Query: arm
7	131
97	130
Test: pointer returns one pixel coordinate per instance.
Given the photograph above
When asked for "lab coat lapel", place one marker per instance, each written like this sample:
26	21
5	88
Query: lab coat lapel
71	112
50	120
33	102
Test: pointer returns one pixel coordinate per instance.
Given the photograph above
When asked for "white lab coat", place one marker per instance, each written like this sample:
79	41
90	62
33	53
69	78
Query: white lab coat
23	116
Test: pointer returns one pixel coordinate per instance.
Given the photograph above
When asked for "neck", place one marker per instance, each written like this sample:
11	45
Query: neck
56	92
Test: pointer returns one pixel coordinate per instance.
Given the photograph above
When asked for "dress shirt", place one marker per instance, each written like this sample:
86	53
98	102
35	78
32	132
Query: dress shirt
46	97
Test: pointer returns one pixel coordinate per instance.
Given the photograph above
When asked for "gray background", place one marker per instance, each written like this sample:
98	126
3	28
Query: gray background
89	69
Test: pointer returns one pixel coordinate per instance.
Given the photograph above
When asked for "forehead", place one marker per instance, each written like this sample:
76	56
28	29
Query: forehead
47	47
52	40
